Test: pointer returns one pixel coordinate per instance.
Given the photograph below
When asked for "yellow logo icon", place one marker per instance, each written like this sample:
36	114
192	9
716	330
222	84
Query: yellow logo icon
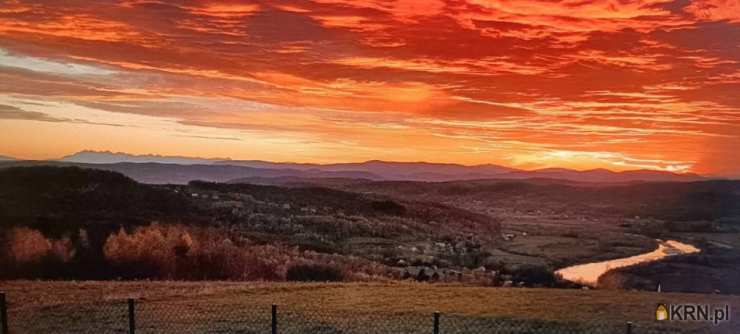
661	312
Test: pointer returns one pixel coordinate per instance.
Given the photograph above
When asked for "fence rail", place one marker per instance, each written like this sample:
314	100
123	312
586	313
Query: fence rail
218	316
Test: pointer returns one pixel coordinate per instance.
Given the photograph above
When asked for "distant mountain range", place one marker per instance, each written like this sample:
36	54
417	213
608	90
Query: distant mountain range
98	157
382	170
159	173
174	169
603	175
411	171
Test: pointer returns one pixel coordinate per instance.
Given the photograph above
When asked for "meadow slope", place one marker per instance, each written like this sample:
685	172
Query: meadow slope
43	303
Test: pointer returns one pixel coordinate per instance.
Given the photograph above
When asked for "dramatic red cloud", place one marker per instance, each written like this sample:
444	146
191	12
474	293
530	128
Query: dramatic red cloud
533	83
715	10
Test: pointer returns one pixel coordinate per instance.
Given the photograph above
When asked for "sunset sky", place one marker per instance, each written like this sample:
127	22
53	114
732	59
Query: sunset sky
648	84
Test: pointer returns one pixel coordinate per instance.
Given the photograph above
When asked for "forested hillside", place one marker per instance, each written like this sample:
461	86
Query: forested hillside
81	223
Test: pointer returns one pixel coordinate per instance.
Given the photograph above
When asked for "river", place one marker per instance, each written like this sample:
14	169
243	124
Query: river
589	273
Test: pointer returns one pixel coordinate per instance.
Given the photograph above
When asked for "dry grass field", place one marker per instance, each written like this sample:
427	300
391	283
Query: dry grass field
225	307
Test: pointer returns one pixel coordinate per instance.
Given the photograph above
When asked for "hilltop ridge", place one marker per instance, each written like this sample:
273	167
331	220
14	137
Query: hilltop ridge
382	170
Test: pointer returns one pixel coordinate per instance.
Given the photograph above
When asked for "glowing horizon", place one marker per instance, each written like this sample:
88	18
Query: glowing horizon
649	84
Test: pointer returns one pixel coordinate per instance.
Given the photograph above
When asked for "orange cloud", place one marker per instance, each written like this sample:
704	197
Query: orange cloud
715	10
225	9
79	26
552	17
614	84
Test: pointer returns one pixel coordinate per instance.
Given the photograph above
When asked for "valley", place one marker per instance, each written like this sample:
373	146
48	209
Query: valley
482	232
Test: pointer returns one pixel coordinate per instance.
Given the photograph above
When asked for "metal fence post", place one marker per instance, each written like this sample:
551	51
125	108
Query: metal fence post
629	327
436	322
3	314
131	317
274	319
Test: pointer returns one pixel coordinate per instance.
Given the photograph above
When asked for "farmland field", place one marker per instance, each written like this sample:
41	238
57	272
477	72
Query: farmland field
46	306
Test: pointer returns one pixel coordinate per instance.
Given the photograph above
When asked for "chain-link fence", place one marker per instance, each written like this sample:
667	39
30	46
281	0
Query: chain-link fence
226	316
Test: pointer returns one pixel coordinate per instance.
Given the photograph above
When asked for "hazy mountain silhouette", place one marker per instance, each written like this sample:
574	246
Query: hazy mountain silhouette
603	175
414	171
168	169
98	157
6	158
159	173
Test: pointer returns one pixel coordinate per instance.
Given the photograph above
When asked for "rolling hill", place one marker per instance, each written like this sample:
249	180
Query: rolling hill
83	211
681	201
